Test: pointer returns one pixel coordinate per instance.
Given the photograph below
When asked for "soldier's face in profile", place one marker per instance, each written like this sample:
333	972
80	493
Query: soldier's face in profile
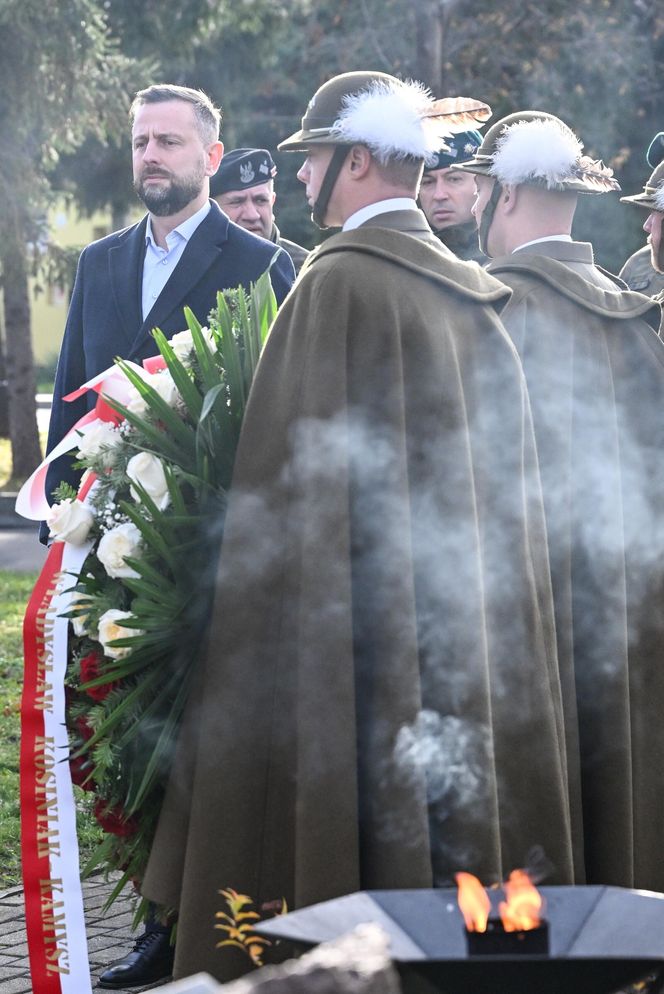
484	186
653	226
312	171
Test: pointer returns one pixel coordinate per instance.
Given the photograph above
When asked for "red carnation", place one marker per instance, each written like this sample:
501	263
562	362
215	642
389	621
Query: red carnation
81	726
80	768
113	820
90	671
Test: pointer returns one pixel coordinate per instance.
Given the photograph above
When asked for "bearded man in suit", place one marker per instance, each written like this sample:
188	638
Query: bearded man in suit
181	253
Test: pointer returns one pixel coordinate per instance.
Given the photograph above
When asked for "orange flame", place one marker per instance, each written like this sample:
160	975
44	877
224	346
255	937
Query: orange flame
521	911
473	901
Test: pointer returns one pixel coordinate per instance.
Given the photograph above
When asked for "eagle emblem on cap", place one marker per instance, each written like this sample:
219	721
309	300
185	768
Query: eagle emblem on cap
246	172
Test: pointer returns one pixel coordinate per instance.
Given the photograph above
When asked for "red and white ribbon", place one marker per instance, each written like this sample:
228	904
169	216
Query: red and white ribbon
55	921
112	384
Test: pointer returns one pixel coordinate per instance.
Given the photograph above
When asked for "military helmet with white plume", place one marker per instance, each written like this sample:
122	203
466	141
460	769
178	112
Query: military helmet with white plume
538	149
534	148
394	119
652	197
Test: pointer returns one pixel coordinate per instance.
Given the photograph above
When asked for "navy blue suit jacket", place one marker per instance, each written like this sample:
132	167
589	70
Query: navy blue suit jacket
105	320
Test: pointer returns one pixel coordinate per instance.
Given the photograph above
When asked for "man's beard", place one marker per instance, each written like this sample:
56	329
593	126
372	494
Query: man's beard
164	201
658	260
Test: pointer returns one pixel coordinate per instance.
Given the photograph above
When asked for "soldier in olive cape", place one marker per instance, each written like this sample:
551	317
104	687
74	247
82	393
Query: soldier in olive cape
595	373
652	199
644	270
380	703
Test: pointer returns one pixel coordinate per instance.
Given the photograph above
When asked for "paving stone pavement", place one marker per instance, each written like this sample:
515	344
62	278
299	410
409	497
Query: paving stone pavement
20	551
109	935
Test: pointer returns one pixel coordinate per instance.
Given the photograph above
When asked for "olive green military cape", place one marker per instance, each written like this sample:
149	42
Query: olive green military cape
595	373
380	703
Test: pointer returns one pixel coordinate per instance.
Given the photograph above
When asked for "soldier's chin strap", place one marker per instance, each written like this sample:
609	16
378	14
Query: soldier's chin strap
319	209
487	217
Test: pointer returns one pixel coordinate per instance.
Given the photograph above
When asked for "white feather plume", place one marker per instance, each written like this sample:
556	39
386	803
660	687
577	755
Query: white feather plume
659	198
542	149
388	118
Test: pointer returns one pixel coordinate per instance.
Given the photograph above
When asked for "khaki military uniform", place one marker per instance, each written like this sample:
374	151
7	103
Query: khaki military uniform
639	275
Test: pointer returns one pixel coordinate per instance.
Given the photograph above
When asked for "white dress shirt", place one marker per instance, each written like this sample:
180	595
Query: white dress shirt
381	207
159	263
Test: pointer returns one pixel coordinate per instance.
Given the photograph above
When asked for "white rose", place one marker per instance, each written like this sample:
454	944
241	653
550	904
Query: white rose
183	345
110	630
135	402
148	472
101	438
124	540
164	385
70	521
210	340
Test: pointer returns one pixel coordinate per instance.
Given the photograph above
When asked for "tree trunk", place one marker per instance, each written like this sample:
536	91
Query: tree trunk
4	400
119	216
432	18
26	452
429	42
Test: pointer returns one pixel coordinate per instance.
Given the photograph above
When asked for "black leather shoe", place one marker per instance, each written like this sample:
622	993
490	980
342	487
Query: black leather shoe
150	960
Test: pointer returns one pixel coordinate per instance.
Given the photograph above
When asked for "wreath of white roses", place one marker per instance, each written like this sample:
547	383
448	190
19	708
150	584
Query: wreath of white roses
143	595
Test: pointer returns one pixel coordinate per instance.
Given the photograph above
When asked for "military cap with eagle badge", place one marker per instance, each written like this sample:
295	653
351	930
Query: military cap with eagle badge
456	148
241	169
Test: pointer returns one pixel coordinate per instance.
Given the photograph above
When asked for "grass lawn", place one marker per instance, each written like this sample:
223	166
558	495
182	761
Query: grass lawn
15	590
